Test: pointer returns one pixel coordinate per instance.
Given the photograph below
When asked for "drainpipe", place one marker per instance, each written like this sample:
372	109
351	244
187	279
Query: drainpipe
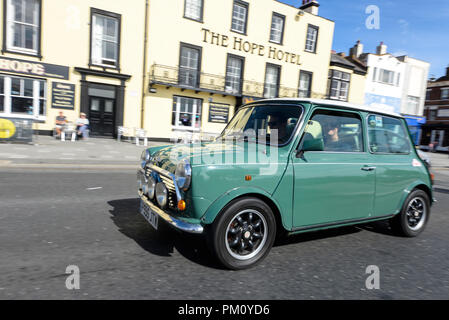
144	70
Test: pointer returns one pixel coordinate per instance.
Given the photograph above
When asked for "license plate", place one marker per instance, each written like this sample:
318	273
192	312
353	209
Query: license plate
148	214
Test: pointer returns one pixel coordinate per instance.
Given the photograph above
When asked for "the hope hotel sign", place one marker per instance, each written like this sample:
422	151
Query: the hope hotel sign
250	47
34	68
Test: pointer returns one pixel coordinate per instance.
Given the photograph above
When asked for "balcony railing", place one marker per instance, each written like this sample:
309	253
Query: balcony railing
199	81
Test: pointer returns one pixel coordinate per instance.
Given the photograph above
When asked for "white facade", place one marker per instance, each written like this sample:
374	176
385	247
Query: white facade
414	88
385	82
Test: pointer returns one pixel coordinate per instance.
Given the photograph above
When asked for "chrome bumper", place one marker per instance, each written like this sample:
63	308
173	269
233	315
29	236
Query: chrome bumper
176	223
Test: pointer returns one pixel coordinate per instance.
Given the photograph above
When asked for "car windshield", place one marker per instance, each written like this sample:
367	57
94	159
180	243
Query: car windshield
268	124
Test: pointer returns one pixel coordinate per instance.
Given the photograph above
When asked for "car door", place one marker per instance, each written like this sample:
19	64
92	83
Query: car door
390	146
335	183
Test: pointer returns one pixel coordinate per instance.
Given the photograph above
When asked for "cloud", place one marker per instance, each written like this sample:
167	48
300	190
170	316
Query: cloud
404	26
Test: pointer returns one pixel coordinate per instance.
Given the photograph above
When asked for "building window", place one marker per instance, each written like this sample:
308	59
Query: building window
305	84
277	28
428	93
193	9
339	85
186	113
386	76
445	94
189	65
105	33
312	37
234	74
272	79
239	16
22	28
433	114
412	105
22	96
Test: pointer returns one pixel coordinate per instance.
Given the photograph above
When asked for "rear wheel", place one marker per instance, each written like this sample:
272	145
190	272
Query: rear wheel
243	234
414	215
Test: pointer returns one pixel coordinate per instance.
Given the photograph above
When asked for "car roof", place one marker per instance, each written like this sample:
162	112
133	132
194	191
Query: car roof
333	103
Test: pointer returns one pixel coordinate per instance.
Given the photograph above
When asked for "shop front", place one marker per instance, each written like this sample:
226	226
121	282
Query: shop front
415	126
27	87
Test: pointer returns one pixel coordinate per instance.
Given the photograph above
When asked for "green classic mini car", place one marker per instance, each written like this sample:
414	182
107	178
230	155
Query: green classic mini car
286	166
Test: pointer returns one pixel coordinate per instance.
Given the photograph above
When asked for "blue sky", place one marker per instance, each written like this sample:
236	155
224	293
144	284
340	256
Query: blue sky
419	29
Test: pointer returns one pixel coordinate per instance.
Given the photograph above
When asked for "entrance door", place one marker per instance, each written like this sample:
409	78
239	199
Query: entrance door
101	116
335	183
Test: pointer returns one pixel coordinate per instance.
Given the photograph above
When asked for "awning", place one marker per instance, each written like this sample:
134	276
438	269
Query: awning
413	121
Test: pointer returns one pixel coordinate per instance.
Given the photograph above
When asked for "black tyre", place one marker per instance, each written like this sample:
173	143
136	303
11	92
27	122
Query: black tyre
414	215
243	234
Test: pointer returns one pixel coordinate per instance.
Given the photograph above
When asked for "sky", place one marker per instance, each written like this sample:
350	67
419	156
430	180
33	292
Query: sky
419	29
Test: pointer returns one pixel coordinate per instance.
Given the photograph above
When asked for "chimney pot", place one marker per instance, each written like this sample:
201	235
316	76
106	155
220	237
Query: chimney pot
381	49
310	6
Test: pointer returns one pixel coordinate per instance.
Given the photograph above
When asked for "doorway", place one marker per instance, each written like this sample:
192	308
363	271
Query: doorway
101	116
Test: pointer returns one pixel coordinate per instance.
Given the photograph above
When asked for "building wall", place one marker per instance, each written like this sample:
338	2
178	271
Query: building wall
380	95
356	94
168	28
415	83
436	111
65	41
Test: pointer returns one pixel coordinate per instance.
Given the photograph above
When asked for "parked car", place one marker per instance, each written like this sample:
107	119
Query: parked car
425	158
287	166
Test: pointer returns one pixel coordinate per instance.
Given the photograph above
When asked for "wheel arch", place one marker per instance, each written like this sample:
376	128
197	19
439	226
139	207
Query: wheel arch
420	185
222	203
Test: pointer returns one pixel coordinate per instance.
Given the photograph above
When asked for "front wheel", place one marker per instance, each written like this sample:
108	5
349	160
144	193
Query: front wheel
243	234
414	215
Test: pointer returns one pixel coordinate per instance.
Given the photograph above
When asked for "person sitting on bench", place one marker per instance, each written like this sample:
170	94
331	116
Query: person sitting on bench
61	121
82	125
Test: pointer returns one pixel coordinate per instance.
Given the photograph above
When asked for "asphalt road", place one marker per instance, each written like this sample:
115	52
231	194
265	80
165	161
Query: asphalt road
50	219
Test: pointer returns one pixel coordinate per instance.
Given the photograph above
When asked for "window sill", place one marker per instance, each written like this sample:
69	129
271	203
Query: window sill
104	67
175	128
23	53
274	42
239	32
22	116
193	19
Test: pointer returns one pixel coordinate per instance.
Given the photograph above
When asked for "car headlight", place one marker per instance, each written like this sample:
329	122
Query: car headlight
183	174
161	194
145	157
141	181
151	187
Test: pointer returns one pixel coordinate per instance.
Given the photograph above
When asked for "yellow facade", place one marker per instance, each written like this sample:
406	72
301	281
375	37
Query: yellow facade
145	79
65	41
356	94
168	28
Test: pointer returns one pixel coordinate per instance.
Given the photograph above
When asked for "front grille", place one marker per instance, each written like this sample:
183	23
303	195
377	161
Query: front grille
169	184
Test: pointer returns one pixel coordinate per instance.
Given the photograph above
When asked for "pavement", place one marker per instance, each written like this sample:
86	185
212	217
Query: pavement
47	151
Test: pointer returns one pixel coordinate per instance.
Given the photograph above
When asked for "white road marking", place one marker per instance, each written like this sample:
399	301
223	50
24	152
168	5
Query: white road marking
94	188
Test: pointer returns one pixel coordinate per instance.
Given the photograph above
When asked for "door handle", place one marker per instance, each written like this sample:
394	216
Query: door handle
368	168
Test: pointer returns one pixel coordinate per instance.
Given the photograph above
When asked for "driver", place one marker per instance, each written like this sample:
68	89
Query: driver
332	141
278	122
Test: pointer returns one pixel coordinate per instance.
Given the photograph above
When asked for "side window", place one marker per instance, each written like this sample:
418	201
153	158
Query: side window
387	135
335	131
